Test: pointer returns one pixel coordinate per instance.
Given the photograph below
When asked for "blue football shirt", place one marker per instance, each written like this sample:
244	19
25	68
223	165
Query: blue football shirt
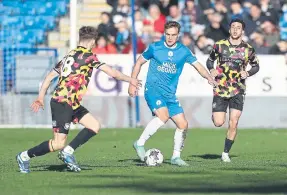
166	64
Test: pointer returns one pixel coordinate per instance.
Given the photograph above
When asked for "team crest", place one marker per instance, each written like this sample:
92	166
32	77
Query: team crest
170	53
158	102
214	105
67	126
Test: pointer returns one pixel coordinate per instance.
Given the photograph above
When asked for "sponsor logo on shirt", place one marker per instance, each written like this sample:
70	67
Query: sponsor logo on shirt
167	67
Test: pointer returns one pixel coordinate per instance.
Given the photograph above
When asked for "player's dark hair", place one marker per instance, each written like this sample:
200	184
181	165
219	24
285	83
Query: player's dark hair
172	24
88	33
239	21
105	13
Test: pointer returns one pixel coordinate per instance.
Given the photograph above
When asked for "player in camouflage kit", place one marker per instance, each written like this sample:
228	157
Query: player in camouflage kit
74	72
232	55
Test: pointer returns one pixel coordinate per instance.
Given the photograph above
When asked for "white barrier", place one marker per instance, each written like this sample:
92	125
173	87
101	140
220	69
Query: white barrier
114	112
265	106
271	80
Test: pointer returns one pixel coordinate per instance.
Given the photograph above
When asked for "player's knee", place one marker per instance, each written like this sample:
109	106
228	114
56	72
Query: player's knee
95	127
218	122
233	123
164	118
183	125
57	144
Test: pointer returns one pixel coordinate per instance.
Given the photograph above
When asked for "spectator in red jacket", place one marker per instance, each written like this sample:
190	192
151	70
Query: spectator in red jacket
156	18
104	47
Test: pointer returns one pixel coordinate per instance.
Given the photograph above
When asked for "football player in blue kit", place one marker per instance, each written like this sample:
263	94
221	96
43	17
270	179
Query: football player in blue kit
167	58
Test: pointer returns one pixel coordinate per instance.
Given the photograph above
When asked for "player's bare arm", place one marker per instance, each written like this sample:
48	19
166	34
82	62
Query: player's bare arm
137	67
120	76
136	70
39	102
204	73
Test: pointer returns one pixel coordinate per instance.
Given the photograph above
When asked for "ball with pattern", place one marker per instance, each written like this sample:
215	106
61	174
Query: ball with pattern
153	157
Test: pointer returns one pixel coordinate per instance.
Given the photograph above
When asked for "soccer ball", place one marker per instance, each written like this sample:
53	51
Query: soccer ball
153	157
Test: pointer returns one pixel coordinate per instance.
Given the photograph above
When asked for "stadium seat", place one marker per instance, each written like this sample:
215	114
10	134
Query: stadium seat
62	8
53	7
4	10
35	35
23	25
12	22
48	21
39	22
23	45
11	3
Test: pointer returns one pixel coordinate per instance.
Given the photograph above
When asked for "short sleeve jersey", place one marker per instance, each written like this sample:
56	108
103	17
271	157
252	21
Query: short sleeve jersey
75	71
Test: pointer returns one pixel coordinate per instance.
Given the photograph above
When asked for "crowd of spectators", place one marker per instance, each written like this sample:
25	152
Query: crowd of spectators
203	23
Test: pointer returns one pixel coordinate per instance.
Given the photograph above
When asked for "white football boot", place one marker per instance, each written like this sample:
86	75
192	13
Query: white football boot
225	157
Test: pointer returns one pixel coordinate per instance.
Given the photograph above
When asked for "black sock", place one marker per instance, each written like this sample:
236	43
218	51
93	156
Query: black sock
82	138
227	145
39	150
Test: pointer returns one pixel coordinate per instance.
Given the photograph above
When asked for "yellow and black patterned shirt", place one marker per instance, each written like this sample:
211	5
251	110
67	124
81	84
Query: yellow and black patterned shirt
75	71
231	59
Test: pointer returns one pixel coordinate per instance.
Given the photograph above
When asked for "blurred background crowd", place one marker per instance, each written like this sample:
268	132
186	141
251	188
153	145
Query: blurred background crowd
203	23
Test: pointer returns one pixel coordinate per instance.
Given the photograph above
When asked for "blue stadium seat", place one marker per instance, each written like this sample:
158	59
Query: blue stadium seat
25	38
27	10
11	3
23	25
50	21
12	21
40	36
32	7
57	7
31	22
62	7
4	10
28	36
43	11
11	38
39	22
5	33
37	34
22	46
5	36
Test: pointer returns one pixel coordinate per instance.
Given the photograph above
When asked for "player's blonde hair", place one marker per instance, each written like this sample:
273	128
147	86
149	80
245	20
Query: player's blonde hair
172	24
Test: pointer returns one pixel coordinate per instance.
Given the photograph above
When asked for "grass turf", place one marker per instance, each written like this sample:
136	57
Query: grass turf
110	166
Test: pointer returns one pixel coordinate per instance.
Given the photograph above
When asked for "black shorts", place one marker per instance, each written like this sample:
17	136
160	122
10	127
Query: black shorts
220	104
63	114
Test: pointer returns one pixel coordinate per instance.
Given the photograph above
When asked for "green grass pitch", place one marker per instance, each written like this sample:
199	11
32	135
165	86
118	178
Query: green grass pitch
110	166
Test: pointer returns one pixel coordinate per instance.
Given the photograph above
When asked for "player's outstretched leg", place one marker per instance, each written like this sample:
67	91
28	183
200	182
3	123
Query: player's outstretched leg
150	129
23	163
179	137
23	158
92	127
